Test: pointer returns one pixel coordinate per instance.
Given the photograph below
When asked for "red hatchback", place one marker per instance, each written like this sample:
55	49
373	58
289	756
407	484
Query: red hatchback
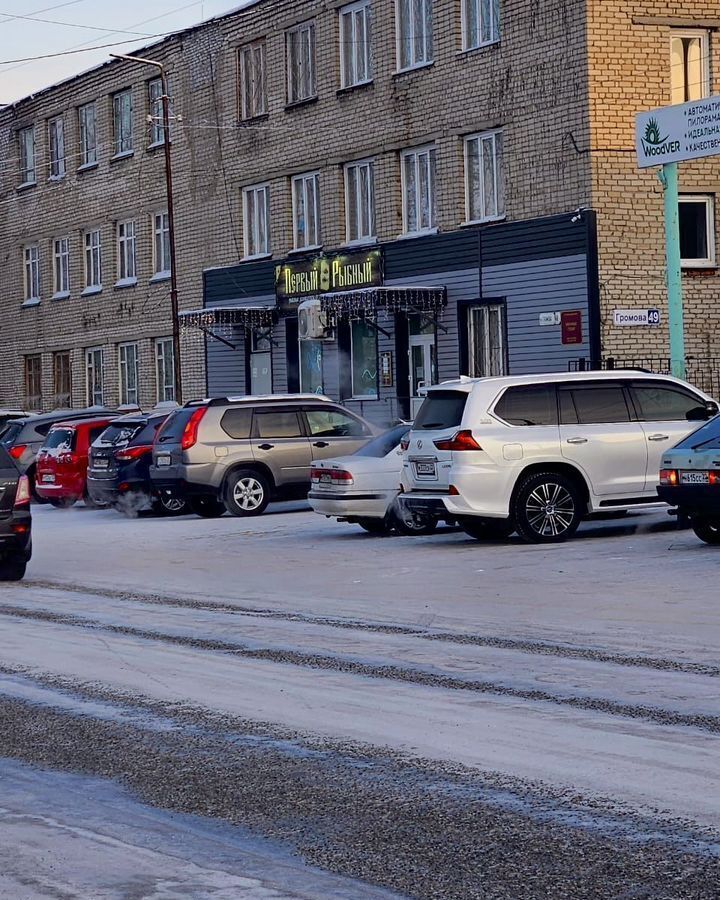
62	461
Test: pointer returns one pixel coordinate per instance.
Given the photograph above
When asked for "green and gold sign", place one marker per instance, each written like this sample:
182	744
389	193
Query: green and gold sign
298	279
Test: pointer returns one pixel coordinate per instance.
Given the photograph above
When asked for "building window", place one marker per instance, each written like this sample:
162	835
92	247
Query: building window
155	104
61	268
127	272
93	260
306	210
56	135
256	215
26	138
414	23
62	380
418	189
364	355
689	65
484	176
33	381
32	273
94	376
128	359
161	245
359	201
301	63
88	135
122	123
697	231
480	22
486	326
355	44
165	369
311	367
251	71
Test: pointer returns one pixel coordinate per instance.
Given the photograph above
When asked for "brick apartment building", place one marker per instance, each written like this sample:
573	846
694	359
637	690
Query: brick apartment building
450	184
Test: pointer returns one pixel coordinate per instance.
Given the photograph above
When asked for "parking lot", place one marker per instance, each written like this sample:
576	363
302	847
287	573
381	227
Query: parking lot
401	712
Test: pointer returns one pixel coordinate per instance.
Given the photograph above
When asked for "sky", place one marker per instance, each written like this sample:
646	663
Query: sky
86	23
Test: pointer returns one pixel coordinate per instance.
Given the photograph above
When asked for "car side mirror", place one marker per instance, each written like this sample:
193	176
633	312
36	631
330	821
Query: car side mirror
702	413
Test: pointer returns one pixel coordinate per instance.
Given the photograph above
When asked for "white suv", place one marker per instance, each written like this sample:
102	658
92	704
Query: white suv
537	453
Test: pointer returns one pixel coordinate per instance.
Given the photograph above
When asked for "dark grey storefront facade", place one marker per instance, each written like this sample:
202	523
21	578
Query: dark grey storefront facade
511	298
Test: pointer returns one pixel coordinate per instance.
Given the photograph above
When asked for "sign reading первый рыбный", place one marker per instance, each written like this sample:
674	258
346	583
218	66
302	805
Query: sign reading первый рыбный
676	133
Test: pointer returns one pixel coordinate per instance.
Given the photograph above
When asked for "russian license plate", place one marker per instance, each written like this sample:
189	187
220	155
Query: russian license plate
326	478
101	464
425	468
694	478
163	461
48	479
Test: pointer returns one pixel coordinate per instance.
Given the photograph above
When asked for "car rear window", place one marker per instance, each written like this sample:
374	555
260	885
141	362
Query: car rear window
12	430
236	423
60	439
441	409
384	443
528	405
119	433
147	433
706	437
175	424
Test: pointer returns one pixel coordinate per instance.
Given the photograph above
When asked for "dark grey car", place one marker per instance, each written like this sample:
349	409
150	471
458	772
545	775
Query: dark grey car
239	453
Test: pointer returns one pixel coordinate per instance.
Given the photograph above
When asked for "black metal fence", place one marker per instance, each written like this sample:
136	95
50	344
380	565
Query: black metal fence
703	372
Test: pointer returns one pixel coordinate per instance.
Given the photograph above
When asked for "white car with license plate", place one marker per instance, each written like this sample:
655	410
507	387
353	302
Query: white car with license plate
363	488
538	453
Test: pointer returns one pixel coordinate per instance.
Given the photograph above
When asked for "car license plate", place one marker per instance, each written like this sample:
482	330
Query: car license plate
326	478
48	479
101	464
694	478
425	468
163	461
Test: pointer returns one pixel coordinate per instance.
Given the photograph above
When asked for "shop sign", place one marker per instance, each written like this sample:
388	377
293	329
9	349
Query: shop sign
624	317
571	324
677	133
386	368
298	279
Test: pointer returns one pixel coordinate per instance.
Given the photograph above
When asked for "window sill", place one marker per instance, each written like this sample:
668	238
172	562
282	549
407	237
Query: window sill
91	290
469	51
349	88
26	185
361	242
409	235
60	295
298	251
249	120
698	266
125	283
53	179
126	154
87	167
398	73
31	301
256	256
160	276
469	223
156	145
297	104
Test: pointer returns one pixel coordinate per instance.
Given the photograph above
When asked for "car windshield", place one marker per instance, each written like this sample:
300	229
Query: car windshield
384	443
60	439
705	438
441	409
12	430
118	433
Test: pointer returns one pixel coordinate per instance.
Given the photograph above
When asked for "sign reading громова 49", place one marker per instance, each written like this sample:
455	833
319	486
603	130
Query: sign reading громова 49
676	133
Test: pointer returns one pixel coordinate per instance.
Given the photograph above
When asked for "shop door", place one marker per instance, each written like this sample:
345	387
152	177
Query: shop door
486	334
260	362
422	356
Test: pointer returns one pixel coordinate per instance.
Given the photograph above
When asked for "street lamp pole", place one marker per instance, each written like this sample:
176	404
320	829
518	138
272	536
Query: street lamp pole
177	369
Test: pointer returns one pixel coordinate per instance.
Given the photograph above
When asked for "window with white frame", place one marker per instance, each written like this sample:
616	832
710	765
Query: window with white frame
364	359
165	369
26	138
689	65
93	260
359	201
128	362
306	210
697	231
94	376
155	104
127	272
480	23
251	72
414	25
61	267
122	122
161	244
418	189
355	44
88	134
301	62
256	218
31	256
484	176
56	139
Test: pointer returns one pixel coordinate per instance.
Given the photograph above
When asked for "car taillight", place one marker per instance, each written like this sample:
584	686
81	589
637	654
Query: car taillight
131	453
189	437
340	476
404	444
714	478
22	495
17	451
462	440
669	477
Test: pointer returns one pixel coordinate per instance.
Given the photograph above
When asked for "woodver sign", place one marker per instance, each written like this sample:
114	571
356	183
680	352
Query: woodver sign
296	280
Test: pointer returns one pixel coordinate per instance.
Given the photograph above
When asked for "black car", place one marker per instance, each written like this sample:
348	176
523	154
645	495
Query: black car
119	463
15	520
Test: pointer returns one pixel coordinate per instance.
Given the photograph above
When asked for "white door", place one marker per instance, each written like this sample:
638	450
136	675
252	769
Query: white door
260	362
423	363
486	327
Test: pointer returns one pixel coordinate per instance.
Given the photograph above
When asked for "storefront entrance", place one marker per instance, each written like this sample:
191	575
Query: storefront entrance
260	362
422	354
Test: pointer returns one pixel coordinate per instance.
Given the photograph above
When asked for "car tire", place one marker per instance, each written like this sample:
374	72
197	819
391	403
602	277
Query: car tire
487	529
13	568
165	505
208	507
708	530
62	503
412	526
247	493
374	526
547	508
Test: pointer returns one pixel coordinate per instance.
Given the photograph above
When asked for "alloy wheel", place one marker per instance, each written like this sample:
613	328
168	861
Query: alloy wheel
550	509
248	493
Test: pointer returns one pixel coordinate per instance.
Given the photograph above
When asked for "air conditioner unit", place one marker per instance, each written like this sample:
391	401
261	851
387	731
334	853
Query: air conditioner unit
313	322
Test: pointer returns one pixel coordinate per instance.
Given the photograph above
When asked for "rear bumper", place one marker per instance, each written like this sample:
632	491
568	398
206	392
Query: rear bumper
424	504
60	490
12	542
177	486
363	505
692	499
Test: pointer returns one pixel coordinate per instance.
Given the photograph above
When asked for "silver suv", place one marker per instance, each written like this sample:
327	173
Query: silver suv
238	453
